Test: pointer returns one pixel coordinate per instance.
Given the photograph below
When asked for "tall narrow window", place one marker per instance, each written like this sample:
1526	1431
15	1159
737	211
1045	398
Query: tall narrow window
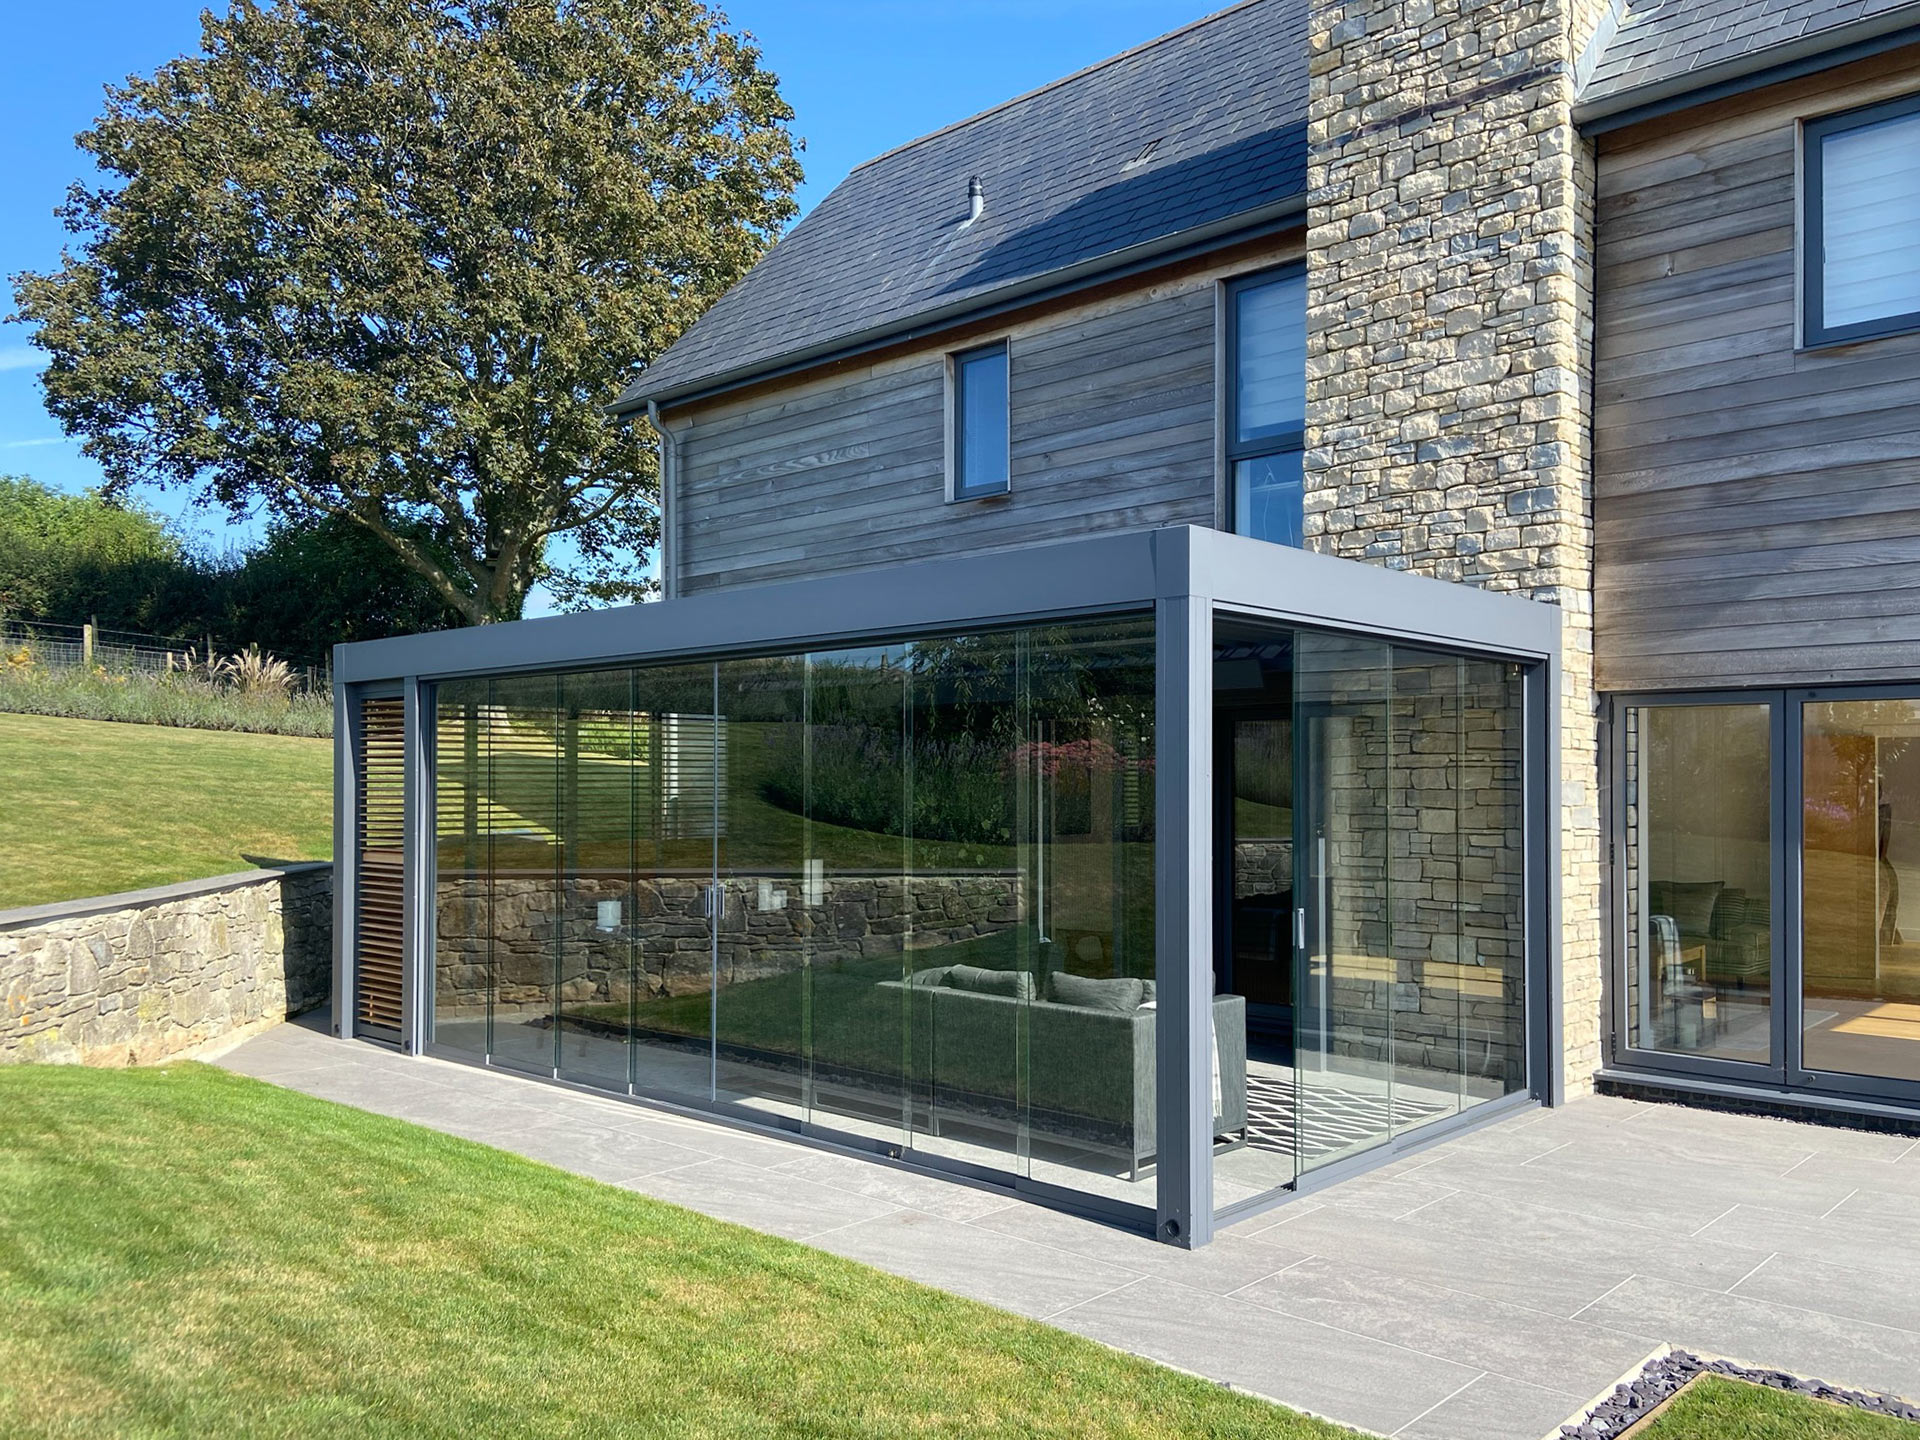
1862	222
1267	404
980	422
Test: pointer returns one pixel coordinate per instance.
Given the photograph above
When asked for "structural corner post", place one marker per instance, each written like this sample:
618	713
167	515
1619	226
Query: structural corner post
344	843
417	865
1183	896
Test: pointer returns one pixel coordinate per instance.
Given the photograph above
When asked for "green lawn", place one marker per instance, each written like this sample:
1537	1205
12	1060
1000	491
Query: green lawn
188	1252
90	807
1716	1408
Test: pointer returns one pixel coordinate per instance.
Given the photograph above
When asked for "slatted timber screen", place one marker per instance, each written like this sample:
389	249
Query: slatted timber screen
379	904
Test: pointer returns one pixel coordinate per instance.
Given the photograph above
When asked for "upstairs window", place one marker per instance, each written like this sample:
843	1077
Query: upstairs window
1861	232
977	436
1267	403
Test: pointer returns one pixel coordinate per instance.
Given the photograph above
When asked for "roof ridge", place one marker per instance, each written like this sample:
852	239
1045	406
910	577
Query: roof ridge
1038	90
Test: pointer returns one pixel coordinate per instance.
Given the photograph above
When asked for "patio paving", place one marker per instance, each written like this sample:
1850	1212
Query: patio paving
1484	1289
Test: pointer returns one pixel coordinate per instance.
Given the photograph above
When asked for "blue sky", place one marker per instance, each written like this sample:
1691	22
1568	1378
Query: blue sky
861	75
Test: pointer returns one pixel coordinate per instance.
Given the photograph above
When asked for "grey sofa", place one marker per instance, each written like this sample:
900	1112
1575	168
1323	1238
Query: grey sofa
1090	1071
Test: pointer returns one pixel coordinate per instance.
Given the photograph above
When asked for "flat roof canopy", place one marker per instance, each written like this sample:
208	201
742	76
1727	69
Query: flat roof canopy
1095	575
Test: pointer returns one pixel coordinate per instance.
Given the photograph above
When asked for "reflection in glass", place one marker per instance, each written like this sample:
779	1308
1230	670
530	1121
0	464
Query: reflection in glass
523	803
682	762
846	775
599	766
900	892
1861	890
1268	498
463	940
1343	691
1698	883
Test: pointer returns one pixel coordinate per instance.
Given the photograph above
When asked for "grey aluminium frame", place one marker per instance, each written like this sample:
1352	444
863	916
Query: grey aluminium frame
1184	576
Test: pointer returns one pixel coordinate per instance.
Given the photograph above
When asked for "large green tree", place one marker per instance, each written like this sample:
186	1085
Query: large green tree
387	261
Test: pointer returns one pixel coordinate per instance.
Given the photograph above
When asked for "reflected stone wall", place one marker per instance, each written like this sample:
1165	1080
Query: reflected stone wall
761	934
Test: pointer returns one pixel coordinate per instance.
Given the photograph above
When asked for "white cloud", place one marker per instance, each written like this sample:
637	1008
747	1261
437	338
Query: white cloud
30	444
22	357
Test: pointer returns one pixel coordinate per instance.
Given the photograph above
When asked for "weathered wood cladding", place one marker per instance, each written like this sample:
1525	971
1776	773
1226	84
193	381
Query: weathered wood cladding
1757	507
1113	423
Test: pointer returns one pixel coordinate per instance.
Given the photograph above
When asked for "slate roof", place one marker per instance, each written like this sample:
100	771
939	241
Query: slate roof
1669	44
1201	125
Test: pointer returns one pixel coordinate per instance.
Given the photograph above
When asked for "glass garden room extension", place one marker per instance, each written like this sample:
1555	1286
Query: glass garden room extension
1160	876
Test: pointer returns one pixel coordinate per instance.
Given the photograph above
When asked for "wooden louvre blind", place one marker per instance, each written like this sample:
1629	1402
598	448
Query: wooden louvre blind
380	812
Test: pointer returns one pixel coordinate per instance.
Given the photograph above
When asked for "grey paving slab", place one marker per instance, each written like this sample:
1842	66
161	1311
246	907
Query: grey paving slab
1494	1407
1231	1262
1019	1275
1330	1372
597	1152
945	1198
1478	1290
1864	1244
1761	1332
762	1199
1884	1296
1572	1356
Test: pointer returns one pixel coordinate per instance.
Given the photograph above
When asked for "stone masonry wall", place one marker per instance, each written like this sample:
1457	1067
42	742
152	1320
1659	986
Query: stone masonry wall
767	929
1449	345
135	978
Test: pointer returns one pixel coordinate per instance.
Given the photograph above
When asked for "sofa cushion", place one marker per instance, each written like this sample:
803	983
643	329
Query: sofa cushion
1148	992
1090	994
1690	903
1015	983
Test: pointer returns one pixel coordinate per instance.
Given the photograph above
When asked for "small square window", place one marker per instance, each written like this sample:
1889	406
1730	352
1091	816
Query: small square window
979	438
1861	228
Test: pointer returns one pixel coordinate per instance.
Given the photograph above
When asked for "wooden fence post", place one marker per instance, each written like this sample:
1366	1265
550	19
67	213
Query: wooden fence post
86	646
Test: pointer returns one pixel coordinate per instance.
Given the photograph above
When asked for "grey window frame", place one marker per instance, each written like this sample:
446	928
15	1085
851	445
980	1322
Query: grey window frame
1814	331
1785	1076
1233	450
957	492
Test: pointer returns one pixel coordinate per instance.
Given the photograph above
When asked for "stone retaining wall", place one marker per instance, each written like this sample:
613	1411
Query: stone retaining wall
768	928
134	978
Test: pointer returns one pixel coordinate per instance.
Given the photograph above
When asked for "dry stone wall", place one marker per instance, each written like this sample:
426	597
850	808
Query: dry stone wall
1449	345
767	929
135	978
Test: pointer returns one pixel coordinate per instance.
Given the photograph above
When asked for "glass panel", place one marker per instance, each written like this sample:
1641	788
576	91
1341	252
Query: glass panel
846	775
982	442
463	940
679	752
765	929
1267	498
598	770
1343	690
1870	212
1270	366
1090	1040
1698	879
1254	961
1493	895
973	974
523	805
1861	888
1429	977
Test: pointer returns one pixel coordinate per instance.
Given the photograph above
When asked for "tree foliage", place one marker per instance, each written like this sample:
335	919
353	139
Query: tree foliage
387	260
302	590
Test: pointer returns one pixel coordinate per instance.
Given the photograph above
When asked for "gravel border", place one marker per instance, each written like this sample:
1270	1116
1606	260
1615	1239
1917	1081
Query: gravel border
1662	1376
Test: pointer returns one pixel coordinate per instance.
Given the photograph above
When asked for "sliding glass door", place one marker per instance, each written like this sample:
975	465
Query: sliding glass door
1767	879
900	892
1859	1019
